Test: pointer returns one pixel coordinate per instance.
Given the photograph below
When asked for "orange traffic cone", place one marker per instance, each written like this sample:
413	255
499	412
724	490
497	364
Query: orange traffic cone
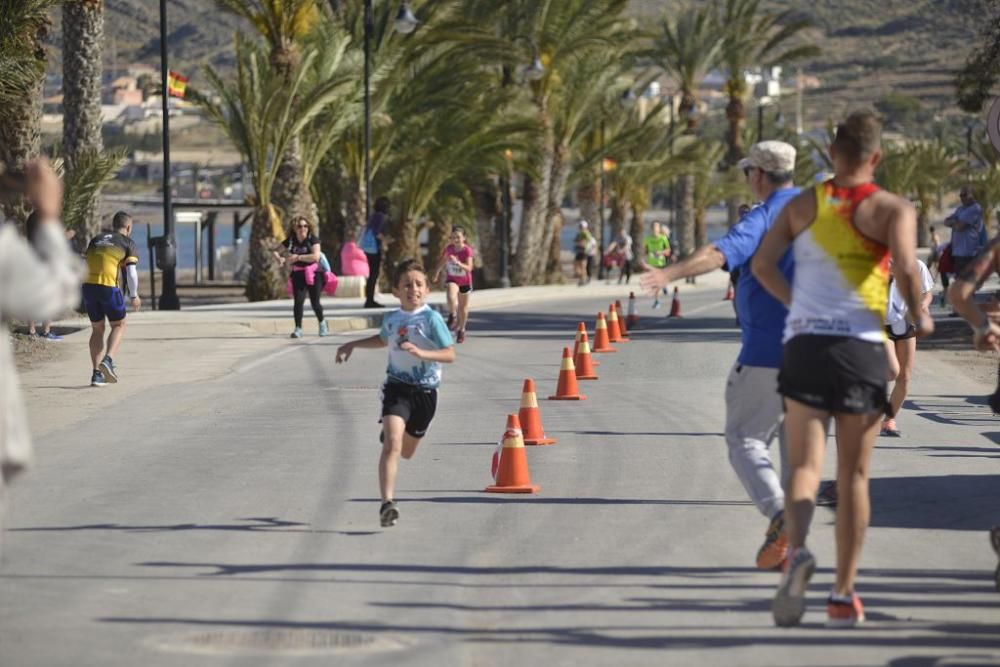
531	417
601	342
730	293
621	320
633	316
584	362
581	329
614	331
567	389
675	306
512	472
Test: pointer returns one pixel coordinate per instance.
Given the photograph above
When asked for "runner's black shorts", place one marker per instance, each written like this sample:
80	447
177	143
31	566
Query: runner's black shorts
911	332
415	405
835	373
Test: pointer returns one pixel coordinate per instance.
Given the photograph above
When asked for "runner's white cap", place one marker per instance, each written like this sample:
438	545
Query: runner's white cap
770	156
583	224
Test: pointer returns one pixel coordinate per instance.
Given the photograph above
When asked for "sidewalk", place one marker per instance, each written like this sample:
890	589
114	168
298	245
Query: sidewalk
275	317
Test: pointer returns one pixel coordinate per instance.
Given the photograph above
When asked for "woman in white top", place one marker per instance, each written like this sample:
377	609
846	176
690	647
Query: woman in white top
902	344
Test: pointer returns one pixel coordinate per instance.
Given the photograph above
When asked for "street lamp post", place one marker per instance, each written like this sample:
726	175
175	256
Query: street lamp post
168	298
405	23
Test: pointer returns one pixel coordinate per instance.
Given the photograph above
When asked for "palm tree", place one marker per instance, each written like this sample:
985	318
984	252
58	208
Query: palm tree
754	37
560	36
23	26
687	47
83	32
262	110
919	170
284	25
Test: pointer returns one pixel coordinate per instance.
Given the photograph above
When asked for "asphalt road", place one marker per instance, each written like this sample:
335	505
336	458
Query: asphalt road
233	520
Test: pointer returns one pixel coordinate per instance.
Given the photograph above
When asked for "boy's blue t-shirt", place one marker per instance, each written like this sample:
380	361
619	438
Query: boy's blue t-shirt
425	328
762	317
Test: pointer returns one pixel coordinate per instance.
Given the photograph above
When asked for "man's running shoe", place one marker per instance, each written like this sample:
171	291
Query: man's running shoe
772	554
388	514
844	611
656	303
827	495
108	369
460	338
789	602
889	428
297	333
48	335
97	379
324	329
451	321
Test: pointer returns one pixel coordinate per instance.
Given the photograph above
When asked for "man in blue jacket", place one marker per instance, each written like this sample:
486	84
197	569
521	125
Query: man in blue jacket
753	406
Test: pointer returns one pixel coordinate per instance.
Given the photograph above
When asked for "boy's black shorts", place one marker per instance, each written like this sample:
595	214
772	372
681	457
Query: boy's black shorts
414	404
835	373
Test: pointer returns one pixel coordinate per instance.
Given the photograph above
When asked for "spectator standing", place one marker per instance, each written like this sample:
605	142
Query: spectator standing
304	253
373	242
967	230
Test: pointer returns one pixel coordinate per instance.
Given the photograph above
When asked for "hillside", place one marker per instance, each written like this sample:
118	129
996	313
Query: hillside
871	48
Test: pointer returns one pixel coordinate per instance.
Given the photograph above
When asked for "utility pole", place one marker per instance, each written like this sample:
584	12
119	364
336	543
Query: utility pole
168	299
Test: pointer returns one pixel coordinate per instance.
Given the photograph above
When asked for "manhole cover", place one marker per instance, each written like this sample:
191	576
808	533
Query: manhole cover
277	641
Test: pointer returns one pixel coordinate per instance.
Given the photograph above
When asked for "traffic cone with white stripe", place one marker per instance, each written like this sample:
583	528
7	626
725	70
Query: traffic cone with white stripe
621	319
513	475
567	389
614	331
601	342
583	361
633	316
531	417
675	306
581	331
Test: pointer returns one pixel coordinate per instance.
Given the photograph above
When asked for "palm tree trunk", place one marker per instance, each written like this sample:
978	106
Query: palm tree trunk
637	228
551	270
618	212
685	214
736	116
586	197
290	194
267	279
532	247
83	32
20	136
489	217
355	206
437	241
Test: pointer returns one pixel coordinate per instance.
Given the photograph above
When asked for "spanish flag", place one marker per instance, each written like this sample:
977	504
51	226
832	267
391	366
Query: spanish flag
176	84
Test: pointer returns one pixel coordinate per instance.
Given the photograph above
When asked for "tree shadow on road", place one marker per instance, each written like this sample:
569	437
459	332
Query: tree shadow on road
255	524
941	502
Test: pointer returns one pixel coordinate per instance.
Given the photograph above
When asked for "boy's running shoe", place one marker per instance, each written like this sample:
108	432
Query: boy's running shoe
460	338
108	369
656	303
775	549
297	333
451	321
789	602
844	611
97	379
890	429
388	514
827	495
51	336
324	328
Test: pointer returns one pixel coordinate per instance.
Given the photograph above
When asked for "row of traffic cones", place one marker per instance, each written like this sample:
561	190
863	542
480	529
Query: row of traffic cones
510	461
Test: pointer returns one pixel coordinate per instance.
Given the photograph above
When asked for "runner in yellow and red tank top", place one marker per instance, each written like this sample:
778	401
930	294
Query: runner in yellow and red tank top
843	233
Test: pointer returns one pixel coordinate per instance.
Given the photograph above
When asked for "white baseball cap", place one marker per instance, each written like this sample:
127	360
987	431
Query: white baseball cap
770	156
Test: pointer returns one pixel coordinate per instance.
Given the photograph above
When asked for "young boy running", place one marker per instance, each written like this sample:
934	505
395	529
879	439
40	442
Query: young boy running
419	342
456	262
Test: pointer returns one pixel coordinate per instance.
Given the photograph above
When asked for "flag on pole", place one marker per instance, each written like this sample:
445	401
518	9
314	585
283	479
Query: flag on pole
176	84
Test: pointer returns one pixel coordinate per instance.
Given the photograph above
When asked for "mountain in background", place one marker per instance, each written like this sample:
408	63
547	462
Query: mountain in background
905	50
